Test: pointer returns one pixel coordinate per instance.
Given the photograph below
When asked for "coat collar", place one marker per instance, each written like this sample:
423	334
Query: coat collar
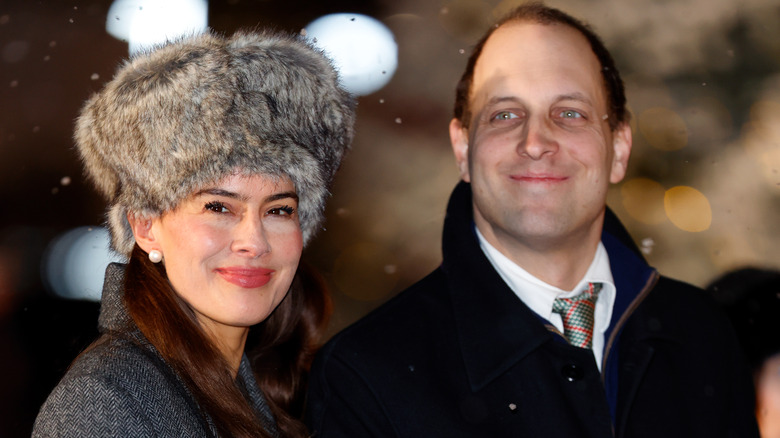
494	328
115	318
113	314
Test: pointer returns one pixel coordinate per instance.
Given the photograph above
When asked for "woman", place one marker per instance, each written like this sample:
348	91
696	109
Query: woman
216	155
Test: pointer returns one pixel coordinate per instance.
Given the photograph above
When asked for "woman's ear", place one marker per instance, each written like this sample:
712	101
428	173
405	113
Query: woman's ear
142	230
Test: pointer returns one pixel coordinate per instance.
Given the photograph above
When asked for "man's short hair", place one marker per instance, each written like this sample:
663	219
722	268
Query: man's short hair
541	14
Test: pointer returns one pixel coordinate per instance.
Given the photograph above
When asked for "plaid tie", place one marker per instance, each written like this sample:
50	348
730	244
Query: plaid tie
577	315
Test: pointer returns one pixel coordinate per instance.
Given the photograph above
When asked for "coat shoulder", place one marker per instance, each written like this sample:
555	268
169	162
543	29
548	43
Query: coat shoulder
688	303
414	313
374	363
116	388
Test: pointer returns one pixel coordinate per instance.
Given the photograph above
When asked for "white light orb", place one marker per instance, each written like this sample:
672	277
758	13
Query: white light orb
75	263
362	49
148	23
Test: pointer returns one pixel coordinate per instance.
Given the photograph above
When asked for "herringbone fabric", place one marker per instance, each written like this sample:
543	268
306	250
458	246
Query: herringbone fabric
577	314
122	387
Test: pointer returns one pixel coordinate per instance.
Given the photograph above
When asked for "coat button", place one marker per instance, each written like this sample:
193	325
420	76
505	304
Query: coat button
572	372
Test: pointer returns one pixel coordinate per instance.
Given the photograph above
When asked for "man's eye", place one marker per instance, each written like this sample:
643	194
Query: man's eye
505	115
216	207
570	114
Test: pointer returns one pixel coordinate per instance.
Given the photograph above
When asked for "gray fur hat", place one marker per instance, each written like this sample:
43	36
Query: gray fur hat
196	110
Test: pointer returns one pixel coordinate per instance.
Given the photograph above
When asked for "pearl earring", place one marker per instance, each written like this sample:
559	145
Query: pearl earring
155	256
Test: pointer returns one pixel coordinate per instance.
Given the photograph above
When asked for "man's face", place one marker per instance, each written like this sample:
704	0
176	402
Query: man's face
539	152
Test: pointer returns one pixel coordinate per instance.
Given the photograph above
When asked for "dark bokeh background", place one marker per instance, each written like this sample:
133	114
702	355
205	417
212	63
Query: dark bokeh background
702	196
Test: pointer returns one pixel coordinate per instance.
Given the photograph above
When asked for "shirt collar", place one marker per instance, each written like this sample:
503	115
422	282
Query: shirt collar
539	295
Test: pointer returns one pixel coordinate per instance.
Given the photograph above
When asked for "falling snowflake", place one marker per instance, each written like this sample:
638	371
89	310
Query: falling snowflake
647	245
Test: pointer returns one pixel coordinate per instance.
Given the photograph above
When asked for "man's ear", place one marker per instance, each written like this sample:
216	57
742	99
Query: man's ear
621	145
459	138
143	231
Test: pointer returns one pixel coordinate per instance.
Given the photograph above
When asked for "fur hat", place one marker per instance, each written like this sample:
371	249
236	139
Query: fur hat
193	111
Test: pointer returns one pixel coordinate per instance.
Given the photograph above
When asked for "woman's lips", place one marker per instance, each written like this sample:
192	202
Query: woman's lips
249	278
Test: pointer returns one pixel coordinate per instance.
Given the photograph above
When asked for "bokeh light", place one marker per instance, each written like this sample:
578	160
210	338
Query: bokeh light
762	139
663	128
147	23
688	209
643	199
75	263
362	48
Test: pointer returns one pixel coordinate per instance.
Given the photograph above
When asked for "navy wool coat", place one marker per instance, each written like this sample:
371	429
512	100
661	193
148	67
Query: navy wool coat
121	386
459	355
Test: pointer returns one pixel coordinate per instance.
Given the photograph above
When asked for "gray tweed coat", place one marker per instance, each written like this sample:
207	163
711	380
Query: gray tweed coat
123	387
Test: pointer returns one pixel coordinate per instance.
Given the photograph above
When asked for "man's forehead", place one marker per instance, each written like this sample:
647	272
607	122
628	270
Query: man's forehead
552	53
526	41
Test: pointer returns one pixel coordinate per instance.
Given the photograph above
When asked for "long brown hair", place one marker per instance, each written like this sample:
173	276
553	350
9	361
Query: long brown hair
284	342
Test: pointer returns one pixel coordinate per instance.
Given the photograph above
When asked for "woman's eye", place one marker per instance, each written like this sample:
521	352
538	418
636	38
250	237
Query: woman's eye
282	211
217	207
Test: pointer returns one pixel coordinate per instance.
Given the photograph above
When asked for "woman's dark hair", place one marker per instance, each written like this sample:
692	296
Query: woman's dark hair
538	13
282	348
285	343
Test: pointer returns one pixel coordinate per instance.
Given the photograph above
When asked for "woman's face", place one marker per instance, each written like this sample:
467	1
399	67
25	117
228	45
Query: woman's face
231	250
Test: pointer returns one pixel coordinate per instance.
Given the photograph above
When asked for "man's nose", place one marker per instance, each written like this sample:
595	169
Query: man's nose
249	237
537	140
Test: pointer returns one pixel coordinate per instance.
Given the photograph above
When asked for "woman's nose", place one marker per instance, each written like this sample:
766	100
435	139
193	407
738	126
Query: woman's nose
250	238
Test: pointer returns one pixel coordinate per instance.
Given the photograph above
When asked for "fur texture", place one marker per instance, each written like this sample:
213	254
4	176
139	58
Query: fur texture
196	110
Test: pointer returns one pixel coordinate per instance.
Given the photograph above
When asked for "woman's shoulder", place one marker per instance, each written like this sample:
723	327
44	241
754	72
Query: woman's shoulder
125	355
117	387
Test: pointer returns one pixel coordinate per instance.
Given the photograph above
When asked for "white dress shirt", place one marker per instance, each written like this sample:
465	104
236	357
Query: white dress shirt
539	296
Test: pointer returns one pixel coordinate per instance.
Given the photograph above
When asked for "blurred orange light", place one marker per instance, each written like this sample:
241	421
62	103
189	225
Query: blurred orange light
688	209
643	199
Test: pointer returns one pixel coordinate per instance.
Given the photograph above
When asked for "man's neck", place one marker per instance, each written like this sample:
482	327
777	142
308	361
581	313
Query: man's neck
561	263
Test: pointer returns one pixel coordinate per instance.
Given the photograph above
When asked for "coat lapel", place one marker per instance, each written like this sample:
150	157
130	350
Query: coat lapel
495	329
637	349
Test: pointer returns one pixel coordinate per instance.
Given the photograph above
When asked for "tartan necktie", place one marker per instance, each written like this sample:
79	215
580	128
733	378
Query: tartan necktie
577	315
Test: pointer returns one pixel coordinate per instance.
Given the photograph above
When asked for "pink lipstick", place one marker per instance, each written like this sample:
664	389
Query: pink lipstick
249	278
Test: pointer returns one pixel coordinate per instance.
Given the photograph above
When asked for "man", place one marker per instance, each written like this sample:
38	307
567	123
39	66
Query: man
482	347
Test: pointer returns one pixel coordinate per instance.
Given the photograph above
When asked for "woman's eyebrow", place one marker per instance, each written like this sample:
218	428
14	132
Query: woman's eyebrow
282	195
233	195
221	192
